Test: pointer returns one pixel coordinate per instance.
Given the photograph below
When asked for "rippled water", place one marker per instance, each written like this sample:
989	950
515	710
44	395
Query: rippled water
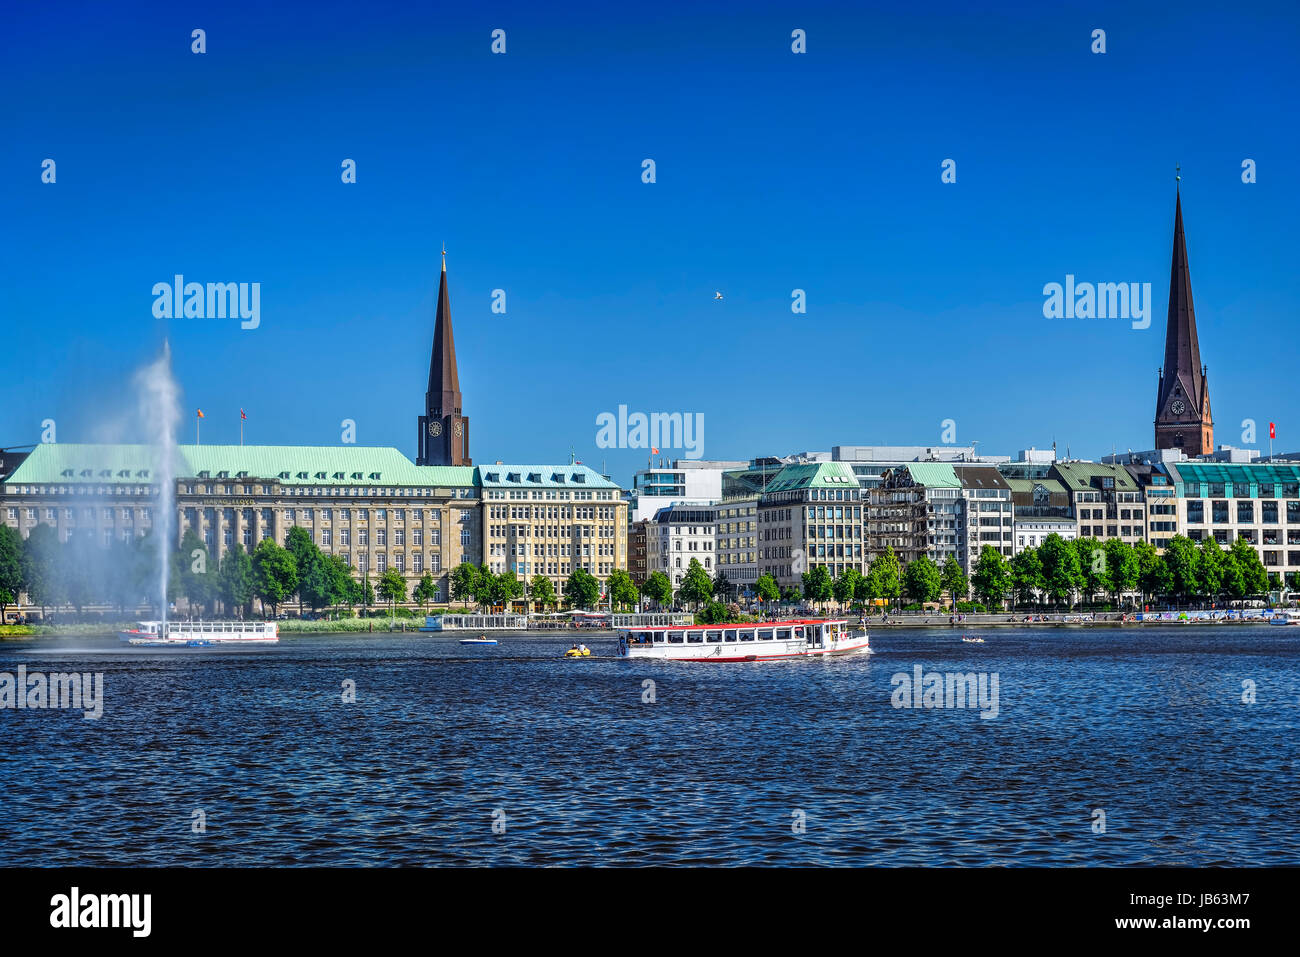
1148	726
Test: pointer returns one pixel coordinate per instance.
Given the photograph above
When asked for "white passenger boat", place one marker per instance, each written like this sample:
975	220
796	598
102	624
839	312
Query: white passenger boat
506	622
1288	617
758	641
196	634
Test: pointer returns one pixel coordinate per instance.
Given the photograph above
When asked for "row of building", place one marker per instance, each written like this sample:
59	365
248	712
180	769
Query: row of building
842	509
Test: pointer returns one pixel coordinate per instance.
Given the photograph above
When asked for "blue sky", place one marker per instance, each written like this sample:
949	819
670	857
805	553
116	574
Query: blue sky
775	171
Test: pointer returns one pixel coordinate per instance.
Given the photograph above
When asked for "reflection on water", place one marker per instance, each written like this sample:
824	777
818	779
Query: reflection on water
445	741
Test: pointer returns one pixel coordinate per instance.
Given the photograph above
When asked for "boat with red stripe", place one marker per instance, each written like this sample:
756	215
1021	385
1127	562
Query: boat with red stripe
753	641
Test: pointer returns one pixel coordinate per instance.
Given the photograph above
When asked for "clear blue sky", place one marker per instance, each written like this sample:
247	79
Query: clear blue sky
775	171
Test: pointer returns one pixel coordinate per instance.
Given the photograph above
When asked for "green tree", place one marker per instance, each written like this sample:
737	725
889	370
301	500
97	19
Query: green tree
1092	567
342	586
713	613
392	588
847	585
508	587
953	580
1181	557
275	574
696	586
235	579
581	590
425	591
790	595
1210	568
41	567
365	592
1061	572
888	575
1254	575
11	568
658	589
817	585
1026	575
623	592
80	565
992	576
1153	573
542	591
922	581
767	589
1122	568
314	575
465	582
195	571
722	588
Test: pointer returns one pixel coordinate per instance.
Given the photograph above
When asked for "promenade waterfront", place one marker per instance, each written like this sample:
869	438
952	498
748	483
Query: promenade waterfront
1150	726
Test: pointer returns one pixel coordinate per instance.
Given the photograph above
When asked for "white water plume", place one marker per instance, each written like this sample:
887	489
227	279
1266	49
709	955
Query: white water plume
160	414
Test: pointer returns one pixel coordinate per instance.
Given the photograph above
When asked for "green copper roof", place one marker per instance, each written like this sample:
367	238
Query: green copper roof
1198	474
934	474
1078	475
814	475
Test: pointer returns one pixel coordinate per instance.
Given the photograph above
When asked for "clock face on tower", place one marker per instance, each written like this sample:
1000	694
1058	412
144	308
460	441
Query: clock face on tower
435	429
1177	407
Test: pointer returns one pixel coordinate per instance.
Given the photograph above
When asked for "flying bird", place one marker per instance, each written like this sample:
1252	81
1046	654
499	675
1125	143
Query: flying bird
717	295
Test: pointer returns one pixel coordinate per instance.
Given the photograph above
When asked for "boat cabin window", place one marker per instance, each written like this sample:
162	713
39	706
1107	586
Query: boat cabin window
713	636
694	637
658	637
765	634
798	631
676	637
747	635
782	634
729	635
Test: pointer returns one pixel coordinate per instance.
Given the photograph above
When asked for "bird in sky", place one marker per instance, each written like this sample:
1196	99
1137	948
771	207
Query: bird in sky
717	295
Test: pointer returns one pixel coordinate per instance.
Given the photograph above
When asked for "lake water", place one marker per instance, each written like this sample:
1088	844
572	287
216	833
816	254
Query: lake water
785	763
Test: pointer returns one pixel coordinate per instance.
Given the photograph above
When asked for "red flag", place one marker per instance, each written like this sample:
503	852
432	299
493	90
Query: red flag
654	451
241	414
200	413
1272	431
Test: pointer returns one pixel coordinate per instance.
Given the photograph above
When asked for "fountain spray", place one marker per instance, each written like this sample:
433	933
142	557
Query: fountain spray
160	411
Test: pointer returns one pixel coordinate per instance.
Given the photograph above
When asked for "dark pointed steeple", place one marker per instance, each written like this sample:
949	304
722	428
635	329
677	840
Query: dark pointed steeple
1183	417
444	432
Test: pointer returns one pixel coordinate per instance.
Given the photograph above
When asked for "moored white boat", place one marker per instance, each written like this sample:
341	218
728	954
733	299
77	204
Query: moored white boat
757	641
1290	616
200	633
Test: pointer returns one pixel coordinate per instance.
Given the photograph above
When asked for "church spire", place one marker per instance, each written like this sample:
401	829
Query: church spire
444	432
1182	401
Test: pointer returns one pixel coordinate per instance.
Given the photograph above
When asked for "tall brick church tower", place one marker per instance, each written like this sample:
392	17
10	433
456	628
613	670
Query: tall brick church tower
1183	418
444	432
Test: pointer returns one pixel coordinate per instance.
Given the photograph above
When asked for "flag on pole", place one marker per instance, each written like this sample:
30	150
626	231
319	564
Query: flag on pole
1272	431
200	411
242	415
654	451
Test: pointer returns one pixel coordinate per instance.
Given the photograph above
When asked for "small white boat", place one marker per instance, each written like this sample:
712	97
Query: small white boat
1288	617
198	634
481	640
972	640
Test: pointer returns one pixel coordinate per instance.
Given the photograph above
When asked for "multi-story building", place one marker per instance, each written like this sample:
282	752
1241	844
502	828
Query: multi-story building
989	515
371	506
1158	496
1040	507
551	520
1260	503
917	509
636	551
811	514
1106	499
737	543
686	482
677	534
